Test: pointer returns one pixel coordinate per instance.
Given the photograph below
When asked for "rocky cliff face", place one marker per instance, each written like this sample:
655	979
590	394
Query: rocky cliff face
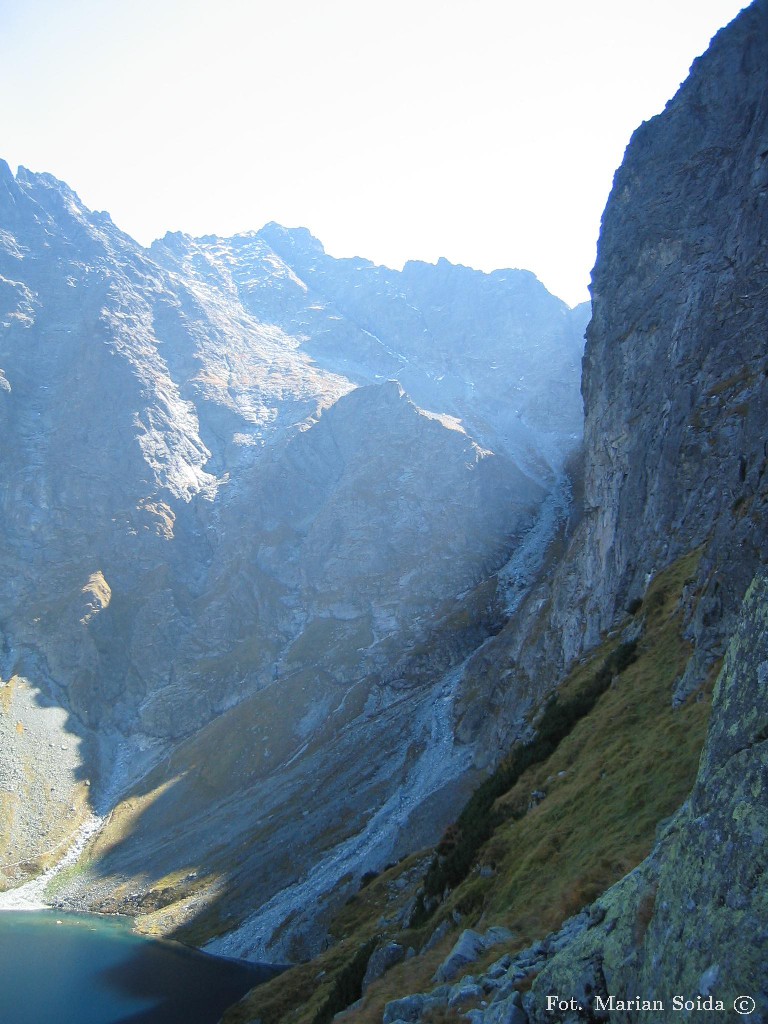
674	379
679	295
228	527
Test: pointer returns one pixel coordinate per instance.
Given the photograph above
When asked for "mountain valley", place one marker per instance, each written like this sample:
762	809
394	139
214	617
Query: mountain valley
356	642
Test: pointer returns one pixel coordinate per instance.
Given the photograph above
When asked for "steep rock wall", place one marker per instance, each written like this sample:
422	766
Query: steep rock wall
675	368
675	381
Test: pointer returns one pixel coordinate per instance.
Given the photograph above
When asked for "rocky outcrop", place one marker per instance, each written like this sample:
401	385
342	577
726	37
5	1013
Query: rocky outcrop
469	947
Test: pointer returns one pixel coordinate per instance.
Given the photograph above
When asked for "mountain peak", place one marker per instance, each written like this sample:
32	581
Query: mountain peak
290	239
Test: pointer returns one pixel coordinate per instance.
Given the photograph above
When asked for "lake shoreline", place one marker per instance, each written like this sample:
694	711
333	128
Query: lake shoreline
82	968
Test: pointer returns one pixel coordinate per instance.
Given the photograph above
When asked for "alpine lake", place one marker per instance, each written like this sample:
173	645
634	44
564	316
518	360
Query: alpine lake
88	969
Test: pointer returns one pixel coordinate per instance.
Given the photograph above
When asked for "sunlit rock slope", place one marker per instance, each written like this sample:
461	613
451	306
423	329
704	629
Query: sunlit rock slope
254	500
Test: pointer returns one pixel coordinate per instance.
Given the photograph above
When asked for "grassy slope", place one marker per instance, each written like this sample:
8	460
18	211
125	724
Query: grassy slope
624	767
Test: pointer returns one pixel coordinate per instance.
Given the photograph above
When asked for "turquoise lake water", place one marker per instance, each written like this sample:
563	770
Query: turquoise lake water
95	970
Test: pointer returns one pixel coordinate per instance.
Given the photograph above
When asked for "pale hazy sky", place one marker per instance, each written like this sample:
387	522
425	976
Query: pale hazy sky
485	131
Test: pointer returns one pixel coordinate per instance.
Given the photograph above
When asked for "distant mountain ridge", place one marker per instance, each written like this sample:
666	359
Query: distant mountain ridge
255	498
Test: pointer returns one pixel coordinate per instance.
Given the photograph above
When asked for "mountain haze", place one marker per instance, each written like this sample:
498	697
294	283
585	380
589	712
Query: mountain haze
254	503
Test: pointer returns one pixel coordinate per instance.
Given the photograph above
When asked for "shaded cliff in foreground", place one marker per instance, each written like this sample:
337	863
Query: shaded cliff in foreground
663	573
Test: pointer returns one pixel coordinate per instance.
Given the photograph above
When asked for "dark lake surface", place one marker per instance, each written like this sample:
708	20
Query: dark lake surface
95	970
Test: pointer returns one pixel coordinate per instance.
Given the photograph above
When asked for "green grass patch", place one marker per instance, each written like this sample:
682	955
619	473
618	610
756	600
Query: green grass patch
480	817
624	766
